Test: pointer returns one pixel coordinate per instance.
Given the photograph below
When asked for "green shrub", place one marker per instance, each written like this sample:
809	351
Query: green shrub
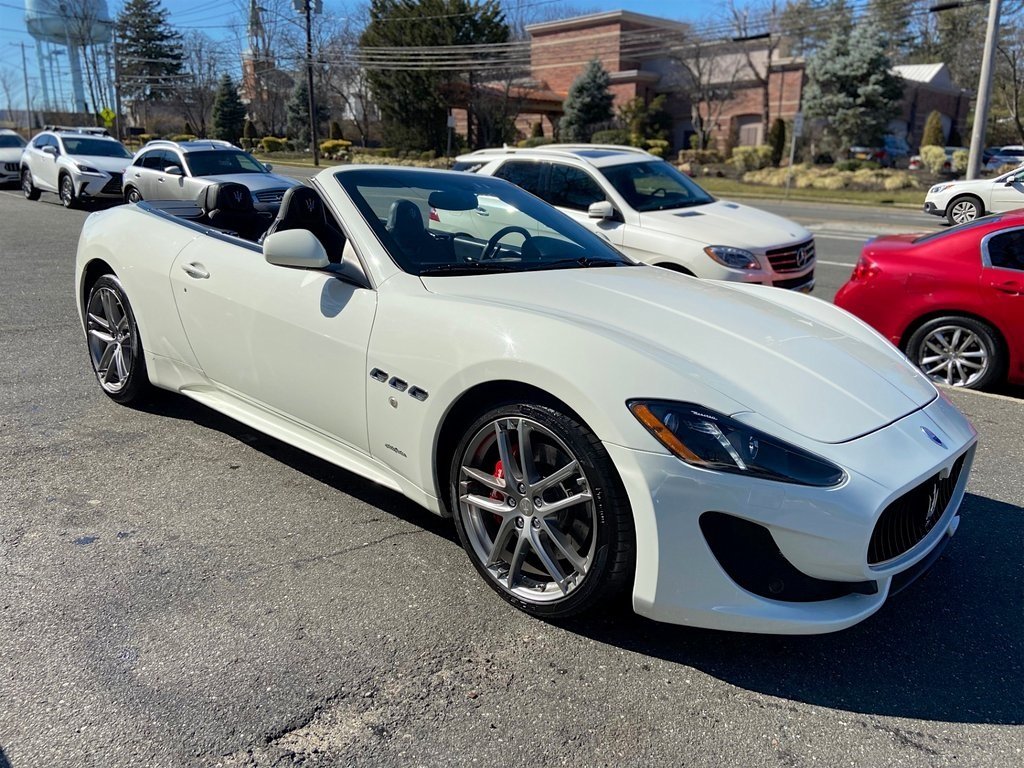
933	158
183	137
611	136
856	165
272	144
751	158
933	134
535	141
537	130
334	147
657	147
960	159
144	137
699	156
427	156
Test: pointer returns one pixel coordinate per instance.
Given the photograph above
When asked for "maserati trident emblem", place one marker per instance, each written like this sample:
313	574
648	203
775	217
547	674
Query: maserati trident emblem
237	194
933	437
933	504
310	205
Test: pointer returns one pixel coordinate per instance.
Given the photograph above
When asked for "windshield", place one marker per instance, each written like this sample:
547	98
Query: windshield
93	147
10	141
216	162
446	223
655	186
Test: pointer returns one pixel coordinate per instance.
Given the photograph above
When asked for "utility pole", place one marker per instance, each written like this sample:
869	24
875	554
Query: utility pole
117	89
984	90
28	99
308	10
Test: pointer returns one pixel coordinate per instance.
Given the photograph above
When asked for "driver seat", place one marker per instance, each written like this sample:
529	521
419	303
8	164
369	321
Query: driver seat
302	208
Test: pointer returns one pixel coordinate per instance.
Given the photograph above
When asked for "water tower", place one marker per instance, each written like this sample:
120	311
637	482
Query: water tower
83	29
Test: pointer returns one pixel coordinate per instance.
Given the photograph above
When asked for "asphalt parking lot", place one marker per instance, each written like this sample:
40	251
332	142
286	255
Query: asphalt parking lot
177	590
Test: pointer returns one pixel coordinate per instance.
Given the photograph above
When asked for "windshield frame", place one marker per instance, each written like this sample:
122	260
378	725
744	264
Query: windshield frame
594	250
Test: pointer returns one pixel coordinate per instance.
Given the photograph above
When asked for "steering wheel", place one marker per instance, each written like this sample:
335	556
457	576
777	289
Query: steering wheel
659	192
492	245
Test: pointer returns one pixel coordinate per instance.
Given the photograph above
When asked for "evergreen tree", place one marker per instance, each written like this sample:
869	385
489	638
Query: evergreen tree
149	51
777	140
228	112
851	85
933	133
588	106
298	114
414	103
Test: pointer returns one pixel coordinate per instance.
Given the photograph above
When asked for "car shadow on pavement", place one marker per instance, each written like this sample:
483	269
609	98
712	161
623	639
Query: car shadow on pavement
949	648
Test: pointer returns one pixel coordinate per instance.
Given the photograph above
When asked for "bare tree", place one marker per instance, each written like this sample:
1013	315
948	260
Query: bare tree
8	83
1009	80
202	65
712	69
757	28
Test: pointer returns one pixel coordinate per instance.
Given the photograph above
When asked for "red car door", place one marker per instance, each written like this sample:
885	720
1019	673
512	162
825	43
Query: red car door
1002	289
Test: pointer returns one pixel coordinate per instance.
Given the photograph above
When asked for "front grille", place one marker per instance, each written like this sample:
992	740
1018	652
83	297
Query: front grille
112	187
794	282
12	167
270	195
909	518
792	257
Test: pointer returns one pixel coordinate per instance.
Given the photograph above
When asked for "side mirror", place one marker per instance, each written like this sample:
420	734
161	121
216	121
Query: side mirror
1010	181
268	166
50	150
173	170
601	210
295	248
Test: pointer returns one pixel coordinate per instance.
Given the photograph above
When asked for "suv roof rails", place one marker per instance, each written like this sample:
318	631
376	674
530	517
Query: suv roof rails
186	144
559	150
607	147
89	129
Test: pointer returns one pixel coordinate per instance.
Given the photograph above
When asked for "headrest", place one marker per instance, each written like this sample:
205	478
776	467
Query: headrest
226	196
404	216
301	205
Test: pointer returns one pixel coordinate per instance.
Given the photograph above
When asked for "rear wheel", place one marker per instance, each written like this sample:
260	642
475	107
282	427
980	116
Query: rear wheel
958	352
963	209
66	191
541	511
131	195
115	348
27	187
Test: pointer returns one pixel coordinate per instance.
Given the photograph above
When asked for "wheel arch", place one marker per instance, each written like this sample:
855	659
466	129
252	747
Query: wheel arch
937	313
95	269
470	404
961	196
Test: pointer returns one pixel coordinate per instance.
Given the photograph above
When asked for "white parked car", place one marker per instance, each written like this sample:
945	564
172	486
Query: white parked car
650	211
75	164
11	145
735	456
963	201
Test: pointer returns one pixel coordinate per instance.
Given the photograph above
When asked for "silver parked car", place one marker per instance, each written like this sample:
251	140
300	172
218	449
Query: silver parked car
171	170
11	145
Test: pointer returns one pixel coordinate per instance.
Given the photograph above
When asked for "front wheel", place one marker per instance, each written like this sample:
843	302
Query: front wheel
963	210
27	187
958	352
131	195
541	511
67	192
115	347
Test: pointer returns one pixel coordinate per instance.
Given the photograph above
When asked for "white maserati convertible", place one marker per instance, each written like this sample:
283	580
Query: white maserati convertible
737	457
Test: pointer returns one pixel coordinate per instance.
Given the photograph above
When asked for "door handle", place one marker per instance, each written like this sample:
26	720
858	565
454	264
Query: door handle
138	175
195	270
1008	286
482	212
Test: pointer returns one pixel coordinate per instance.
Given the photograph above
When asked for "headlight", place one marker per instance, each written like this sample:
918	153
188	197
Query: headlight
85	168
703	438
939	188
737	258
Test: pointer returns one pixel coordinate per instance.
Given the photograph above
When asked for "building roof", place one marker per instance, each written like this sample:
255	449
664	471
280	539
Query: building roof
597	19
935	75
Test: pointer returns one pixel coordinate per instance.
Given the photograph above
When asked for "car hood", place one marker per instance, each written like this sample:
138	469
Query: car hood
726	223
10	155
108	164
255	181
796	361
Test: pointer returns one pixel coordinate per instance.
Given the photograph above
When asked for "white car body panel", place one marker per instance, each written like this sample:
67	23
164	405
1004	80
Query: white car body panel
996	195
289	352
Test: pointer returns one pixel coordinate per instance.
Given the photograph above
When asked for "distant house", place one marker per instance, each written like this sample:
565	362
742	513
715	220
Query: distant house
927	88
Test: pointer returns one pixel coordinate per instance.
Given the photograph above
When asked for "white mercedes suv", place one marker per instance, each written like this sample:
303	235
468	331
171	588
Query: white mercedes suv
652	212
11	145
76	164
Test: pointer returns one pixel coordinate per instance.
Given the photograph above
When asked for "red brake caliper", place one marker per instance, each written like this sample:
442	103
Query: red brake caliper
499	474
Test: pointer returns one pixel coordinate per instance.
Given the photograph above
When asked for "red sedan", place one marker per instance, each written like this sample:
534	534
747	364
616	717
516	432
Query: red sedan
953	301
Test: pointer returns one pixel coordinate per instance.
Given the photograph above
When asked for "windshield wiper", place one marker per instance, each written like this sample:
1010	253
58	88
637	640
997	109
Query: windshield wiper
582	261
468	269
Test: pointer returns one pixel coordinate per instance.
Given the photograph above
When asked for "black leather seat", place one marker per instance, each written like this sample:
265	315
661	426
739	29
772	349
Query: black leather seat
302	208
228	207
405	225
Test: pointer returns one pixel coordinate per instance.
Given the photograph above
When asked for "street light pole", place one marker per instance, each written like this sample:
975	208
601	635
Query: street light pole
309	80
984	90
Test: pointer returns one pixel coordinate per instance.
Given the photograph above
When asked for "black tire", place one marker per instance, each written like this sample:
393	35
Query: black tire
66	191
132	195
964	209
597	531
948	349
28	189
127	383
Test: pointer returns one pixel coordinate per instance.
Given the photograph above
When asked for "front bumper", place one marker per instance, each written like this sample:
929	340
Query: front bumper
822	533
9	173
99	185
934	210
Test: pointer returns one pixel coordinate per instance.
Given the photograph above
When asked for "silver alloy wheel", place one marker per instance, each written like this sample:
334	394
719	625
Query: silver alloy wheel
26	183
954	355
964	211
133	195
67	191
534	529
111	340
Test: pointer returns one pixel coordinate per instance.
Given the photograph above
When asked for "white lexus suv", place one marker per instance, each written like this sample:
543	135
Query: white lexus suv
651	212
75	163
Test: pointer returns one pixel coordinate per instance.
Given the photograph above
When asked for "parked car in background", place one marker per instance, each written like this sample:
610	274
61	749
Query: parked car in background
171	170
652	212
916	164
11	145
963	201
1011	155
77	165
732	456
878	155
953	300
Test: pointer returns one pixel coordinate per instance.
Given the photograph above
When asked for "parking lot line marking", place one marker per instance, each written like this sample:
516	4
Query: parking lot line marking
993	395
12	194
